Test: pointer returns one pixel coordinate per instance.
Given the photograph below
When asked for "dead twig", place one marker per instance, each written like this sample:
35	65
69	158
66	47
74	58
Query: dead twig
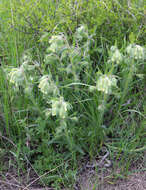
7	139
11	184
41	177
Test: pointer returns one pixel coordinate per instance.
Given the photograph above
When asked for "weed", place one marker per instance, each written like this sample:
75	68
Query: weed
69	85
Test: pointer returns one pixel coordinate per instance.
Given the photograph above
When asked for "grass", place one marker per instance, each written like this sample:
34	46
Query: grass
65	93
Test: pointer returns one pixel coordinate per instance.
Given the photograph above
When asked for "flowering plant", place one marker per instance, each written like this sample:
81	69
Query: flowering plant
64	80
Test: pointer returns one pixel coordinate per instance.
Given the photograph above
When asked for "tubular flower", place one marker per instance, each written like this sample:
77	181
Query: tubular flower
47	86
57	43
135	51
60	107
105	83
17	76
116	55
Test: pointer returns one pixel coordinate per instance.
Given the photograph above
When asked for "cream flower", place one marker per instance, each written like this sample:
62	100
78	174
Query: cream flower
16	76
116	56
105	83
57	43
60	107
47	86
135	51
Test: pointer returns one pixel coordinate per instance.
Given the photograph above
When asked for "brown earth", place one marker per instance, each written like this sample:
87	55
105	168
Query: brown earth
111	178
136	181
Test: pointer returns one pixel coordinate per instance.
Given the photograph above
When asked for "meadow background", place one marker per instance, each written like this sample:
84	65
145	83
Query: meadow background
72	82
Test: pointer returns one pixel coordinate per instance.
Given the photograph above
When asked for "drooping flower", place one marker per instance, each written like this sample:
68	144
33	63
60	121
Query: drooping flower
57	43
47	86
17	76
60	107
135	51
105	83
116	56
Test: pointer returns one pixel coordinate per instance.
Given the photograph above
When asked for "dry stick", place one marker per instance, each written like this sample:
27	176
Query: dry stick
14	178
7	183
41	177
32	167
29	163
11	142
7	139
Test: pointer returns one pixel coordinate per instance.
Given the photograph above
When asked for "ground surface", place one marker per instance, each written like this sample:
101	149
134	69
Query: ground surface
133	182
110	178
136	181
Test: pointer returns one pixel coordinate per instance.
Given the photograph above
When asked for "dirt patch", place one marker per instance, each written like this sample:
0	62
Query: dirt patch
114	178
101	178
135	181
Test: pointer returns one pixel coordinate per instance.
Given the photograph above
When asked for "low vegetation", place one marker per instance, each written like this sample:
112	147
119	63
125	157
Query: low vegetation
72	82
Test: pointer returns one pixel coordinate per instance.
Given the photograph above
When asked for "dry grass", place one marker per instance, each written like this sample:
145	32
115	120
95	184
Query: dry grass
133	182
107	179
104	179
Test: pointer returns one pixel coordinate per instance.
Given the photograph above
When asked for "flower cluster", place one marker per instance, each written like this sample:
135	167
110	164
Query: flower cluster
136	51
105	83
47	86
21	76
60	107
69	58
57	43
17	76
116	56
71	63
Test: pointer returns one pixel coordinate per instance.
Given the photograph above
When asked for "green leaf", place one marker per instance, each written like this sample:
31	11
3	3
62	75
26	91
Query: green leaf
132	37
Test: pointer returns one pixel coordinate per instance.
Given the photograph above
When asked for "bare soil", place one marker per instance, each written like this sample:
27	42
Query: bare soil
114	178
110	178
135	181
